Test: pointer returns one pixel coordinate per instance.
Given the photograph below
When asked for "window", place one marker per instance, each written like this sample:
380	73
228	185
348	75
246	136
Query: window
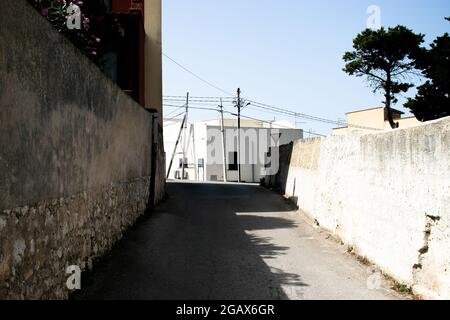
201	163
178	175
186	165
233	161
268	159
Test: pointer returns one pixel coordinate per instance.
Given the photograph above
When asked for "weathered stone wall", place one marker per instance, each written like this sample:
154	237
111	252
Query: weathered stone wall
75	157
38	242
387	195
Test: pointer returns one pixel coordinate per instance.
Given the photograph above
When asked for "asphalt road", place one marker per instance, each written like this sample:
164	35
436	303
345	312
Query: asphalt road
228	241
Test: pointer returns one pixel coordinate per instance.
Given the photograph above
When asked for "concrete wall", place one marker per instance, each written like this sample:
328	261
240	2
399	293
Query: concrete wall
385	194
75	157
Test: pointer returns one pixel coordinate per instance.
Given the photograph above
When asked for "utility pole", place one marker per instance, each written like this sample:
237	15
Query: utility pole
184	142
194	152
239	134
176	146
222	129
240	104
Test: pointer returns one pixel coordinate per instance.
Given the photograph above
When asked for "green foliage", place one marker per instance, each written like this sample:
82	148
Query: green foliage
55	11
385	58
433	98
97	27
403	288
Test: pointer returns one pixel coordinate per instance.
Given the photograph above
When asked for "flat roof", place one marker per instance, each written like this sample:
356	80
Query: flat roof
410	117
376	108
243	128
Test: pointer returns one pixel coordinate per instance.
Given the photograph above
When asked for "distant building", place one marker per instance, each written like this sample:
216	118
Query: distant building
372	120
203	155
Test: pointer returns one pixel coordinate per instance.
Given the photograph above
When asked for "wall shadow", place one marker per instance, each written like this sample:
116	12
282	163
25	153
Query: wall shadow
199	244
278	181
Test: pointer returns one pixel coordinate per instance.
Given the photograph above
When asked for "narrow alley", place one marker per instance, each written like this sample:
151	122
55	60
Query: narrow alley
227	241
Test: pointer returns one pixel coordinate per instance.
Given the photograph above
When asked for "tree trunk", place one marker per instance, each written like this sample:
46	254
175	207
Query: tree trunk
388	97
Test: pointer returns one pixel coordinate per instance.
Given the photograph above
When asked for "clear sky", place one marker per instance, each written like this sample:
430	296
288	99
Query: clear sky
286	53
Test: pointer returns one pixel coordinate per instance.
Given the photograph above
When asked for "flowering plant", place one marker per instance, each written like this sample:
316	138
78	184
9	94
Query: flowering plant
57	12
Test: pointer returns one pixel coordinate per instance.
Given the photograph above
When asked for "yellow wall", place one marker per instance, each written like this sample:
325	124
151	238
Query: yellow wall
408	122
153	56
341	131
373	118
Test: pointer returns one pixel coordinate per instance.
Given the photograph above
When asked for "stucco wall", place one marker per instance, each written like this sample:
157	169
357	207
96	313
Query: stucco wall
278	181
385	194
153	56
75	157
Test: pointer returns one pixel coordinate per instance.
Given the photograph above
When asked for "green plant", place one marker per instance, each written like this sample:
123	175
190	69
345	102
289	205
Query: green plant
403	288
433	97
385	58
85	38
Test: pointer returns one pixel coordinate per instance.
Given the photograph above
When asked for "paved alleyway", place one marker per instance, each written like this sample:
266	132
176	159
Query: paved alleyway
217	241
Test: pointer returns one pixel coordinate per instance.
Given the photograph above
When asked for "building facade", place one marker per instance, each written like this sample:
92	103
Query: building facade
373	120
199	154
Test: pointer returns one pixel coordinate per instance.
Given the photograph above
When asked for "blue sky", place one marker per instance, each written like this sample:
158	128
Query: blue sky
281	52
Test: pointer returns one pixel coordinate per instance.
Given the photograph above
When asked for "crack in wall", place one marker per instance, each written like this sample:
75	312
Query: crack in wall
431	222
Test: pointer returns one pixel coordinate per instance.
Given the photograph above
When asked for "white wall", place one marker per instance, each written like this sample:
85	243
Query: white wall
193	140
256	140
385	194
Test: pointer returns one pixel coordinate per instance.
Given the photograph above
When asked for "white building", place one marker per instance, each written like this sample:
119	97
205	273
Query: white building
201	144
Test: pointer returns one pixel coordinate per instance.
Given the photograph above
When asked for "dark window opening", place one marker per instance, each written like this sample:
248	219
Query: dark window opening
233	163
186	165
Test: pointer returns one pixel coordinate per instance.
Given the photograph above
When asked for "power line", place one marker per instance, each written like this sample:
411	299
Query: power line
193	108
214	99
171	113
307	117
192	100
199	102
271	112
269	107
286	112
197	76
173	118
272	123
173	106
235	114
171	124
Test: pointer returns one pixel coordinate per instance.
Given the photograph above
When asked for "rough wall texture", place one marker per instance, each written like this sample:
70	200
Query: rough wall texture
387	195
38	242
160	186
278	181
75	157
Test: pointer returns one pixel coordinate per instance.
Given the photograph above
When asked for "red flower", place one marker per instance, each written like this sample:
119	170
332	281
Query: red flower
44	11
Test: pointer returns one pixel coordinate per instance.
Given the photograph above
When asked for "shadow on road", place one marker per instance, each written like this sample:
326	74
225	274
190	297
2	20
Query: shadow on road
199	244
